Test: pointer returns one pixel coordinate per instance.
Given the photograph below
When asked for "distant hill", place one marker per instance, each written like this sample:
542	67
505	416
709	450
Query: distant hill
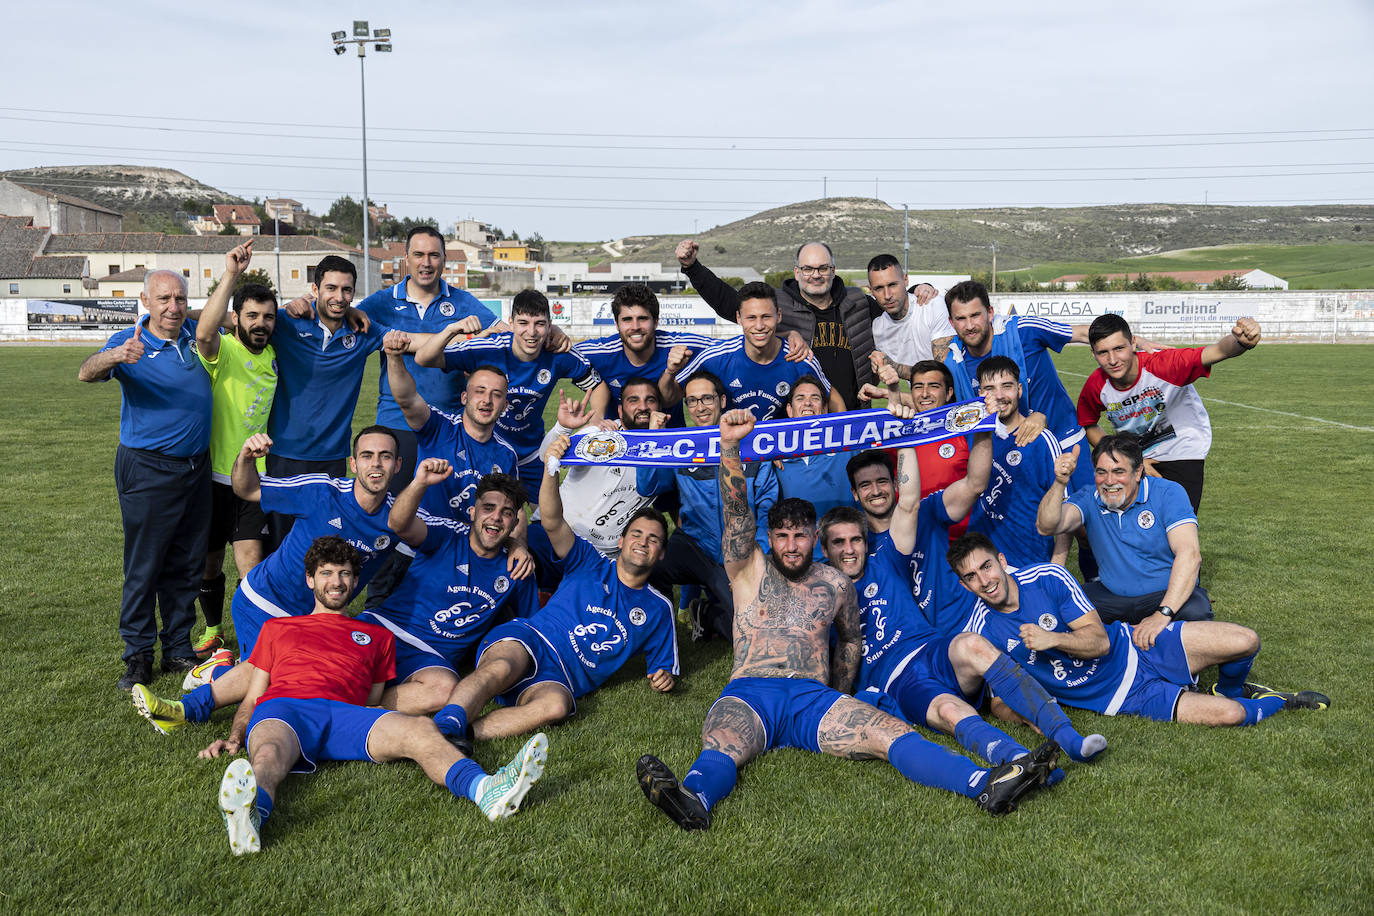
129	189
959	240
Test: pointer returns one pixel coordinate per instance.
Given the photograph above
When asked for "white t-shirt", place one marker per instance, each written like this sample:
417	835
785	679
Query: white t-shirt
908	341
597	499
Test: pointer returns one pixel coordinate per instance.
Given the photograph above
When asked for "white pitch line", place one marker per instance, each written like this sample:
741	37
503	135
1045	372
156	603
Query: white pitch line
1282	413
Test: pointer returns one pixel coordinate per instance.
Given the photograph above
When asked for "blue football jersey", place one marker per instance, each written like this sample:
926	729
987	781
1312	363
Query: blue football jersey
1006	510
761	389
443	436
892	626
942	599
608	357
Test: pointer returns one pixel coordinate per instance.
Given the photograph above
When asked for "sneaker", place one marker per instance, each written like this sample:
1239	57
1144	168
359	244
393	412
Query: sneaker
1302	699
176	664
1010	781
164	714
208	645
663	791
138	669
238	803
500	794
204	673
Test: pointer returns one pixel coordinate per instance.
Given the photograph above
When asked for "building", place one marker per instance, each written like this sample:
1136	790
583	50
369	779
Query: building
57	212
1253	278
474	233
241	216
283	209
507	250
565	277
25	271
125	283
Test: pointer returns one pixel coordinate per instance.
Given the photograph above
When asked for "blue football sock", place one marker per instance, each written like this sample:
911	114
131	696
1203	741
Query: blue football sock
220	671
199	703
464	777
930	764
987	741
1019	690
1255	710
264	803
711	778
452	720
1231	676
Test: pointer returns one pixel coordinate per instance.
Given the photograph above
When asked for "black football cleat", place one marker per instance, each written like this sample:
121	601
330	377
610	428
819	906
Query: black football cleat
663	790
1009	781
1302	699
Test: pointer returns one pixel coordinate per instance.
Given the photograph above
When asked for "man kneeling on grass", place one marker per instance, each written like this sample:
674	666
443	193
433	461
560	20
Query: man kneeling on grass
311	677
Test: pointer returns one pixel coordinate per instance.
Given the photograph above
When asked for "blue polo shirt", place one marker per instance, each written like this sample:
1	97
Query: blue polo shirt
1132	544
611	361
394	308
317	387
165	399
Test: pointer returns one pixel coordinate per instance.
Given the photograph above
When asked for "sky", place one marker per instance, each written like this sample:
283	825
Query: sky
594	121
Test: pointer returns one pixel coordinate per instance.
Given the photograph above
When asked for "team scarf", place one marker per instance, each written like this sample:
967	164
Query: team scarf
770	439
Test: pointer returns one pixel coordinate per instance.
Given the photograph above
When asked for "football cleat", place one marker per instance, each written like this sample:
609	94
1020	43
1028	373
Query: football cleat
164	714
500	794
663	790
1010	781
204	673
1301	699
208	646
238	803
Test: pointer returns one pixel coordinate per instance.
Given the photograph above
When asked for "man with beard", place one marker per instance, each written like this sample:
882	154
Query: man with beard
243	381
316	682
603	612
787	689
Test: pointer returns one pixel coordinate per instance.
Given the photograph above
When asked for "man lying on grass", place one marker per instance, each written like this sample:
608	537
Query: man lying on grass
1040	617
315	682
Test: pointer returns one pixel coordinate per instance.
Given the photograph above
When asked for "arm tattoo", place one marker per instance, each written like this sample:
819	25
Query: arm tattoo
737	536
849	647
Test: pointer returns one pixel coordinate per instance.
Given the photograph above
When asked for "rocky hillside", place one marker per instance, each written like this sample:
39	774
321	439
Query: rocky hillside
130	189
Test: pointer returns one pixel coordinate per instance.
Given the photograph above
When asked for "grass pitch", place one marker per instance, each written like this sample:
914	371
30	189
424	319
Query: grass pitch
101	814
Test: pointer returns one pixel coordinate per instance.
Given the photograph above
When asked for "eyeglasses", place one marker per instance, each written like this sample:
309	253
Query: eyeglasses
808	271
697	402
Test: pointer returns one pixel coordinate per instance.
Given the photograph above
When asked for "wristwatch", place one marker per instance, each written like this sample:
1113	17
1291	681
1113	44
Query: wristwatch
1167	611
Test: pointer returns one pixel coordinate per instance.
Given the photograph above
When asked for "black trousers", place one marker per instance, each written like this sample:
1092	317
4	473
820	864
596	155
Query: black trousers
684	562
278	526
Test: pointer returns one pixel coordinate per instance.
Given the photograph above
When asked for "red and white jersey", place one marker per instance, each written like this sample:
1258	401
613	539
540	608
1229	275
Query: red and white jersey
324	657
1162	407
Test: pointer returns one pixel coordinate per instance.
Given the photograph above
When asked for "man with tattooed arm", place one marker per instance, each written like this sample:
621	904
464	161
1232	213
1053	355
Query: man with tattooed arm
786	690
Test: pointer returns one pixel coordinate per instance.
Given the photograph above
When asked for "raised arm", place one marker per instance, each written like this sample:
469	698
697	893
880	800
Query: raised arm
1244	336
902	529
431	353
98	366
739	528
244	476
403	518
416	411
719	295
561	535
1054	516
668	388
217	306
962	494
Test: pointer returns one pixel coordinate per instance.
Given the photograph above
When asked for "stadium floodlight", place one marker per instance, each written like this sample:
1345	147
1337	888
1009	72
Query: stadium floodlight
384	48
339	49
338	36
381	33
359	28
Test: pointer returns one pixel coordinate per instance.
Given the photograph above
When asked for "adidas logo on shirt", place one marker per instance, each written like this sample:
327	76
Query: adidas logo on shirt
734	382
336	522
1012	644
463	568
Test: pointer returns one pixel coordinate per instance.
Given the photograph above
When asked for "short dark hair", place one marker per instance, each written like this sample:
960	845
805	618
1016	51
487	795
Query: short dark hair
1123	445
379	430
964	545
807	379
1105	326
709	376
530	302
967	291
505	484
429	231
488	367
334	264
635	294
636	380
934	365
872	457
796	258
757	290
255	292
883	262
791	512
651	514
334	550
843	515
997	364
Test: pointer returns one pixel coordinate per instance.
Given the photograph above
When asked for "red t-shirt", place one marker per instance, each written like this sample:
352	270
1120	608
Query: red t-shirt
1162	407
941	464
324	657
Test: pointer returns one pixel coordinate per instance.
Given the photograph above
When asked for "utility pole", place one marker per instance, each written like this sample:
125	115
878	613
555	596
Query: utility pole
906	236
276	243
824	195
362	36
993	285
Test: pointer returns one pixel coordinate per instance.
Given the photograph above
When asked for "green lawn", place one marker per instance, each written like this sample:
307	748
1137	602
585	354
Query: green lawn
1335	265
105	815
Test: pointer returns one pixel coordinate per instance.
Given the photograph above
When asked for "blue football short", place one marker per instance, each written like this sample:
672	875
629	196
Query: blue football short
326	729
547	667
927	675
1161	677
531	474
412	653
248	619
790	709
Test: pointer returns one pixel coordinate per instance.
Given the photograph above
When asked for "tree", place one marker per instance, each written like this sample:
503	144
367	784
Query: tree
776	278
1094	283
228	229
257	275
347	216
536	243
1229	282
736	282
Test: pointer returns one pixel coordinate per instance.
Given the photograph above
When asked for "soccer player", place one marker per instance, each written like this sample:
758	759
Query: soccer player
1143	532
1045	622
243	379
603	612
531	371
638	349
458	587
1152	395
694	554
906	329
927	680
1021	474
819	479
754	366
316	682
787	689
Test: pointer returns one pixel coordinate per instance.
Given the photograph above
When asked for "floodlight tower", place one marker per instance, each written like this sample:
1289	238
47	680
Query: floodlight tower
381	41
